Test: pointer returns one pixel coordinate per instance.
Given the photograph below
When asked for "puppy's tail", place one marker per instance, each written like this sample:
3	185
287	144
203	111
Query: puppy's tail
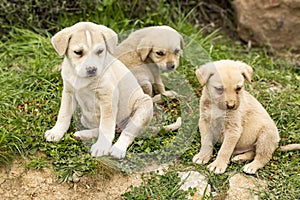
171	127
289	147
175	126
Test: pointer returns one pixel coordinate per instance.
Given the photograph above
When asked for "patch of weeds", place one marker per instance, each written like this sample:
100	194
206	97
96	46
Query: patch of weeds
37	163
70	156
156	186
282	175
10	147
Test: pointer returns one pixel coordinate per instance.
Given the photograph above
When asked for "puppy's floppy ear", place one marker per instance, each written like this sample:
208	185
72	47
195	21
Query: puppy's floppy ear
143	49
205	72
60	41
246	70
110	37
181	42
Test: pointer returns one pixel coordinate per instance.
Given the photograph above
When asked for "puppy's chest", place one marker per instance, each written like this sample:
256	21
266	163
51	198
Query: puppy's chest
89	106
88	100
215	120
214	115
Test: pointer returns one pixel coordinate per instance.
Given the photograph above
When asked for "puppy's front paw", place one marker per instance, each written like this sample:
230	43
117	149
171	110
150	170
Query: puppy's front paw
170	94
118	151
201	158
252	167
100	148
53	135
218	167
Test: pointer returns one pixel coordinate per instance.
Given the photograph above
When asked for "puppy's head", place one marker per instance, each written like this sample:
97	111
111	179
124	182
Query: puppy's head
162	46
224	80
85	45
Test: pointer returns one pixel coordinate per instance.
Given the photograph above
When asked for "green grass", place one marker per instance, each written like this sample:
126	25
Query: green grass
30	97
155	186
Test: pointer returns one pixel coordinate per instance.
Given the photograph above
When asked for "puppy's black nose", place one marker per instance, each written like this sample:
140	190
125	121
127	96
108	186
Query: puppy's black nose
230	106
171	67
91	70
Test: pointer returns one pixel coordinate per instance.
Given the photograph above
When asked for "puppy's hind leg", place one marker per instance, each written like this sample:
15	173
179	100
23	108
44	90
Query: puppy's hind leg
266	144
159	88
87	134
244	156
141	118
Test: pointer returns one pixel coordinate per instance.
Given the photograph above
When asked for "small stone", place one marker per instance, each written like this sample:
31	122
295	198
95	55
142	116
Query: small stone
193	179
243	187
274	23
75	177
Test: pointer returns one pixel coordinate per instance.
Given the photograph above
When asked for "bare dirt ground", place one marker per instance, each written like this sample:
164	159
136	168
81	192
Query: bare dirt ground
19	183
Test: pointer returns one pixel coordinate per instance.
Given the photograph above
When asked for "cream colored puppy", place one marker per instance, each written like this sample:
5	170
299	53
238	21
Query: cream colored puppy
233	117
148	51
105	90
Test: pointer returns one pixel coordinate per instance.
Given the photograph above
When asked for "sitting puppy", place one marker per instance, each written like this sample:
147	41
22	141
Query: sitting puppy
233	117
106	91
147	51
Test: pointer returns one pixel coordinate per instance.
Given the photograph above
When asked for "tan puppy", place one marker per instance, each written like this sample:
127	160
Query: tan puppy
147	51
106	91
233	117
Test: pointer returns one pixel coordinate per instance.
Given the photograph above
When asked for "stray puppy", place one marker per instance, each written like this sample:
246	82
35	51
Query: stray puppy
147	51
106	91
233	117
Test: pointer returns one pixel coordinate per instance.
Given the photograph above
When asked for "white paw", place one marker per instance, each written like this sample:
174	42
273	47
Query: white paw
53	135
159	99
250	168
239	158
100	148
170	94
201	158
118	152
86	134
236	159
217	167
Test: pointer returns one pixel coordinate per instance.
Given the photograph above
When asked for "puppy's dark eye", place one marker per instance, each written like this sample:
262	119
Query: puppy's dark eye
238	89
176	51
220	90
160	53
78	52
99	51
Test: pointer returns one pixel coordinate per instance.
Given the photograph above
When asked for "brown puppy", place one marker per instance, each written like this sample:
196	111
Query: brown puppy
147	51
233	117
